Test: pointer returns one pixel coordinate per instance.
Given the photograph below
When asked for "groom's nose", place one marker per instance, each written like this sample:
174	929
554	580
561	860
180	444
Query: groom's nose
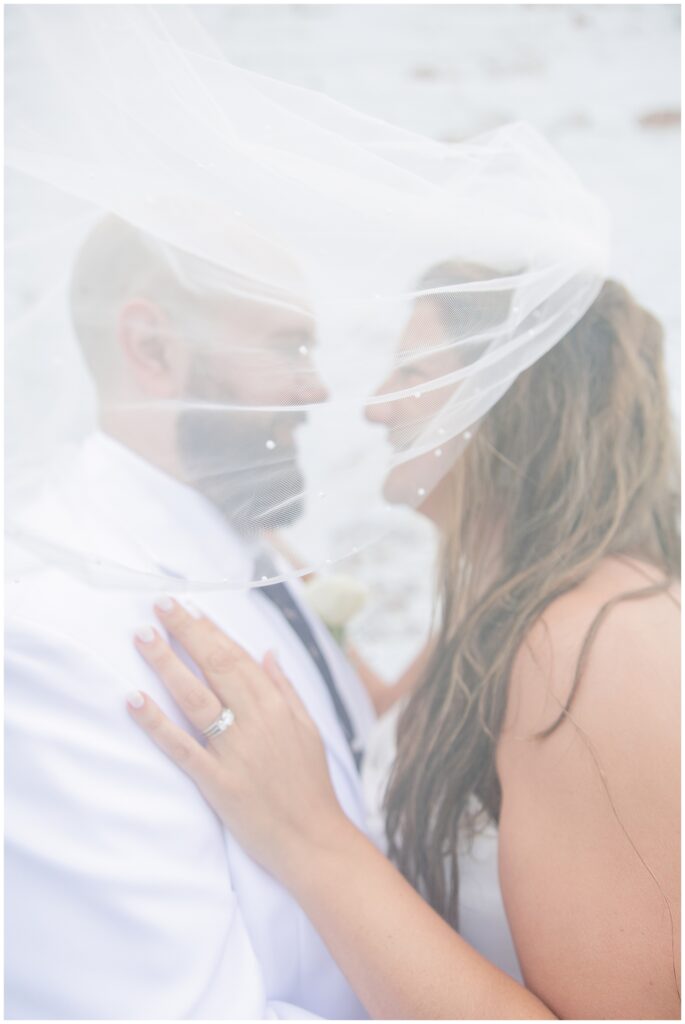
311	390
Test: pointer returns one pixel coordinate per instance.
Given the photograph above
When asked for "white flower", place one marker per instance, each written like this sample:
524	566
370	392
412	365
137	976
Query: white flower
336	598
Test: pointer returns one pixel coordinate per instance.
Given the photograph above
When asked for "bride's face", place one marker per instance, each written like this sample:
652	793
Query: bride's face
414	415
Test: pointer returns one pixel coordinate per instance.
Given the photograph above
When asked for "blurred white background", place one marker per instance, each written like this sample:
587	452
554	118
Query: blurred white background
602	82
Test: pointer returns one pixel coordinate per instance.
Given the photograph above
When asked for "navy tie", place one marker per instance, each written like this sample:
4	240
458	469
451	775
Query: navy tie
281	597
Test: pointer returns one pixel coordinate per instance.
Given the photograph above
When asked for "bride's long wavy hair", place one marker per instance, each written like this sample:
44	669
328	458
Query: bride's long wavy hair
575	463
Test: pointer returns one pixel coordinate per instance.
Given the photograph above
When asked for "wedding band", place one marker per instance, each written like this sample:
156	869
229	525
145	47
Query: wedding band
222	723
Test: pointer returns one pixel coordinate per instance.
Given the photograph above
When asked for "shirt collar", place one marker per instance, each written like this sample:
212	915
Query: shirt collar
179	530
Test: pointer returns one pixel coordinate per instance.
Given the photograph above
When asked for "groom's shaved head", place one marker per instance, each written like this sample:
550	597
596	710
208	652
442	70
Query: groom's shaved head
116	264
119	267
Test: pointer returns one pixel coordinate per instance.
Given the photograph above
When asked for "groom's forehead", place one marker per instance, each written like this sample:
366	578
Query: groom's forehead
269	320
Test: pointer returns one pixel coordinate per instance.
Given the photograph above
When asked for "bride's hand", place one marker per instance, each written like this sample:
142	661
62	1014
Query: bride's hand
266	775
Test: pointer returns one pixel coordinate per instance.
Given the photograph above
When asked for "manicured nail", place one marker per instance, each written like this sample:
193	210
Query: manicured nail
193	609
135	699
165	604
145	634
275	660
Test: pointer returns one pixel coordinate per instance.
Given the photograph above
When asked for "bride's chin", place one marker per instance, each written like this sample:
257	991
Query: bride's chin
399	490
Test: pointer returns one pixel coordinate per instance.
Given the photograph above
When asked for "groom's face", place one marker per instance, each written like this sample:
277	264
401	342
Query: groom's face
249	374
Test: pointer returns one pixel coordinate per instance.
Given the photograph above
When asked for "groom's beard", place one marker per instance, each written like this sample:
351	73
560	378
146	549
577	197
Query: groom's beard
225	457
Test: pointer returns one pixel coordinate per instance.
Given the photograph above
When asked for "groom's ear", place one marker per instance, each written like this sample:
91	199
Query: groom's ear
150	349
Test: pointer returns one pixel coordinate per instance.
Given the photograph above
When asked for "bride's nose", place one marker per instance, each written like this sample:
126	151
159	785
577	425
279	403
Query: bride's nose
379	411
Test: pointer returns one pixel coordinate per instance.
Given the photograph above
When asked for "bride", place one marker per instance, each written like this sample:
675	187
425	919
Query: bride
549	707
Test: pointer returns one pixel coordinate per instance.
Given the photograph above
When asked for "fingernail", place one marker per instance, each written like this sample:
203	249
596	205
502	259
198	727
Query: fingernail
135	699
145	634
275	658
165	604
193	609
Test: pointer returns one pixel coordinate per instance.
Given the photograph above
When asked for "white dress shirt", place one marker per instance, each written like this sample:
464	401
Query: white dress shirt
125	895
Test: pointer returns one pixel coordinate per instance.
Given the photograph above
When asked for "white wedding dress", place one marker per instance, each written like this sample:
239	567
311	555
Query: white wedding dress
482	918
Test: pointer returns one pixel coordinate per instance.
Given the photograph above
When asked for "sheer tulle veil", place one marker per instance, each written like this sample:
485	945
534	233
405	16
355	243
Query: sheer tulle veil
282	244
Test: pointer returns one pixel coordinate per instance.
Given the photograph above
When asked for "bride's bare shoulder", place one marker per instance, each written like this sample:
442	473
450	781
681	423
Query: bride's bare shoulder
633	657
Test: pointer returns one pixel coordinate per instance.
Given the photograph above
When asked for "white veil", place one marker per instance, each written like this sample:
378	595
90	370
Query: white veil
238	278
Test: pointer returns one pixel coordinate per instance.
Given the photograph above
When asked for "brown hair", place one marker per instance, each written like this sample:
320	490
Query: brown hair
575	463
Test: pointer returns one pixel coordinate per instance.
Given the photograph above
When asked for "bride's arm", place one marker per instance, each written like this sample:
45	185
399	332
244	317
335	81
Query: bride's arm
401	958
383	695
267	778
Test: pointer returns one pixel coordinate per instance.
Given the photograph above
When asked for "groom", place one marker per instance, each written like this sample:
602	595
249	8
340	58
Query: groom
125	897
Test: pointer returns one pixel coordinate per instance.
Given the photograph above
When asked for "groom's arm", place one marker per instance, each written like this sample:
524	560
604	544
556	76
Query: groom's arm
119	901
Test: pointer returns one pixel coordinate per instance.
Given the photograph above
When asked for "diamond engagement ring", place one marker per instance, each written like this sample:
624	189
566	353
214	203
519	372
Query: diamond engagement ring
222	723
